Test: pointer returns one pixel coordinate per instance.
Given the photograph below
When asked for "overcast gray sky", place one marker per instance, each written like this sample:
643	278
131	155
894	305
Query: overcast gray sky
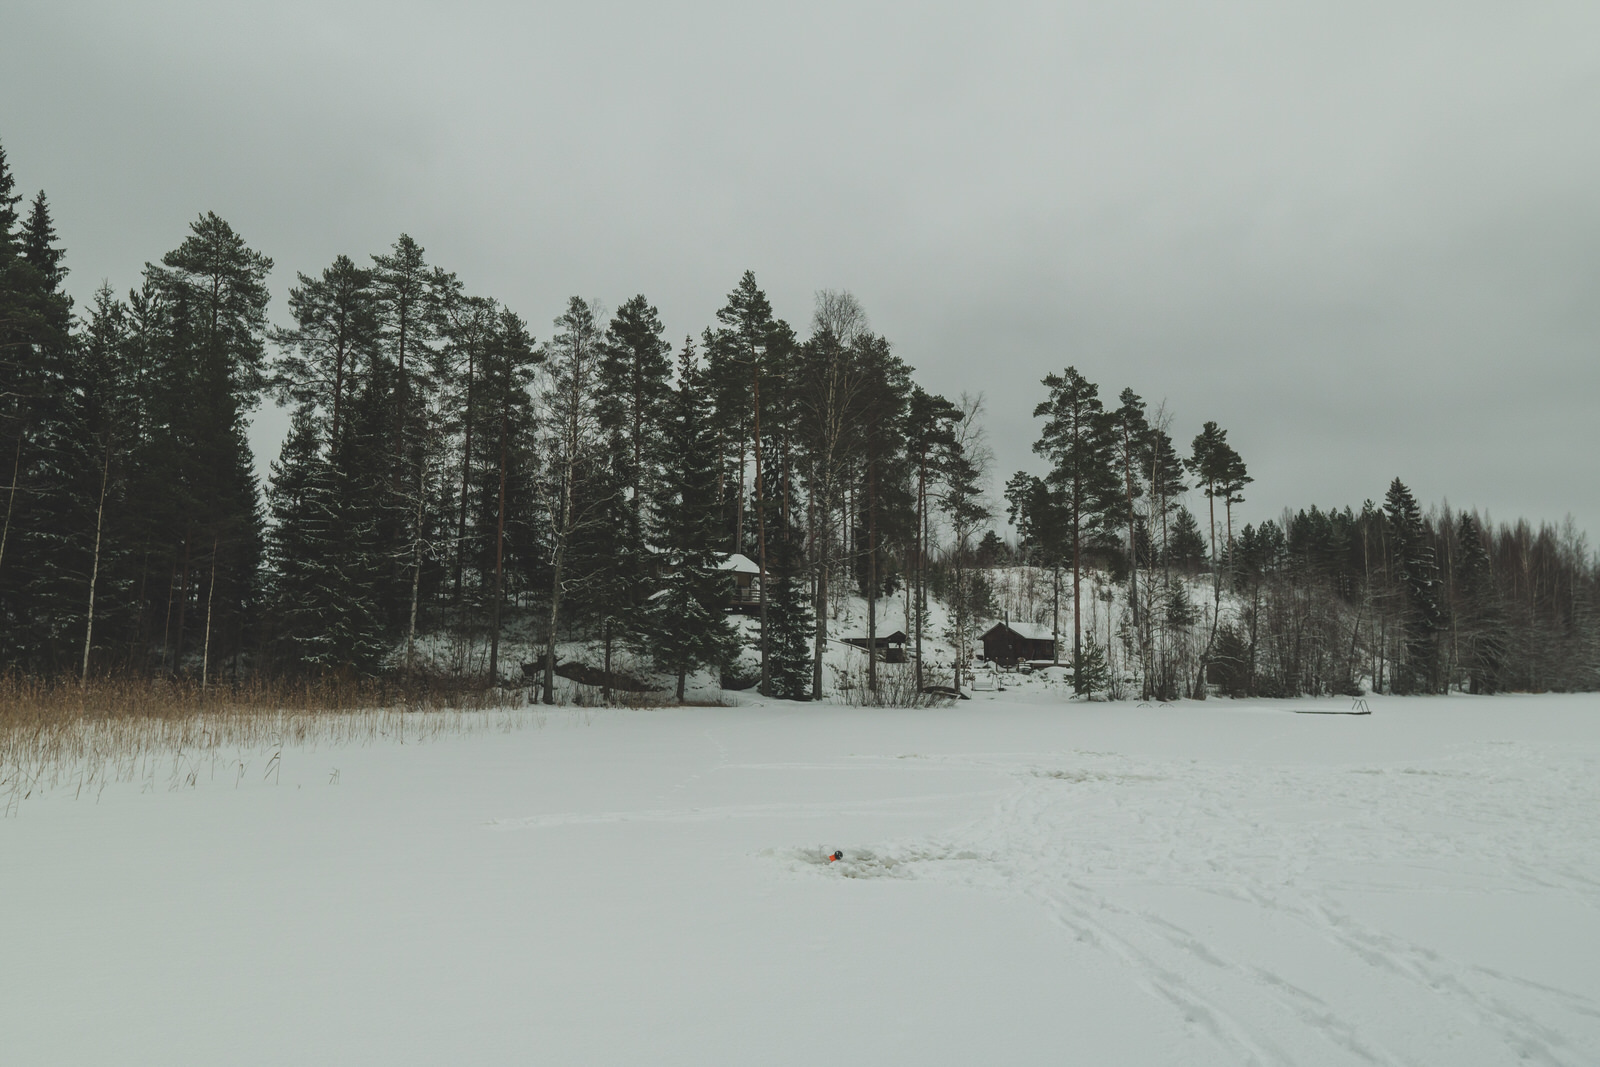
1363	237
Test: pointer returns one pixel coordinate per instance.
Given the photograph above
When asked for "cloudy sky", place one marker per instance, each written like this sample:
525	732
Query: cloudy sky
1363	237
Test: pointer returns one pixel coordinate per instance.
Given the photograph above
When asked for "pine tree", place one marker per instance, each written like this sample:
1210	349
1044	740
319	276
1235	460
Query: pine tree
469	327
828	383
1163	471
687	623
409	317
929	435
572	450
509	428
1077	439
1129	431
334	340
211	374
740	356
961	500
1039	511
105	398
632	389
1208	462
883	470
632	385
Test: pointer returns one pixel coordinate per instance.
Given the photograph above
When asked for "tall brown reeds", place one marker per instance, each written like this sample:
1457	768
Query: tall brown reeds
55	734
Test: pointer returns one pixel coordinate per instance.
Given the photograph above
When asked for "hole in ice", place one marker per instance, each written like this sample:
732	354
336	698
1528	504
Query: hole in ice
897	862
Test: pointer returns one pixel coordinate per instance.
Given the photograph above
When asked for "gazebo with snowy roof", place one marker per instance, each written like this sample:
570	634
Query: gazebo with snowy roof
1007	643
746	579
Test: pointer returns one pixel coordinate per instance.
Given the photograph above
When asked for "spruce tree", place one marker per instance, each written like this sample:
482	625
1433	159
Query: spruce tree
303	574
1187	548
1091	674
789	617
1479	619
46	541
688	624
9	198
322	604
1417	574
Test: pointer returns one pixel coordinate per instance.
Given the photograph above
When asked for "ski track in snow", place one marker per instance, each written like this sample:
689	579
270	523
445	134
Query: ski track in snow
1086	836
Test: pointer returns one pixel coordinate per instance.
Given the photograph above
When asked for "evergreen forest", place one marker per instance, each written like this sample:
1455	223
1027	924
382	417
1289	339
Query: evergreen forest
452	469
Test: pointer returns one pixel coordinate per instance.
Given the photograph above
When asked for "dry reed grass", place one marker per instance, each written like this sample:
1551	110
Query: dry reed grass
171	733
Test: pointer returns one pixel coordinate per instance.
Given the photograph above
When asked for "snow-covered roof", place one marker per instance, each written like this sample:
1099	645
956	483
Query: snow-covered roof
860	636
737	563
1031	631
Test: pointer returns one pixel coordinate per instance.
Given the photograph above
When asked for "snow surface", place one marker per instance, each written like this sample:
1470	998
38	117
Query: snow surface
1024	881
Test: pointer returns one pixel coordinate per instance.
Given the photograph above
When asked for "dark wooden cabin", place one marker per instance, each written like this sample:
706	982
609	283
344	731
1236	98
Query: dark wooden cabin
889	648
1011	643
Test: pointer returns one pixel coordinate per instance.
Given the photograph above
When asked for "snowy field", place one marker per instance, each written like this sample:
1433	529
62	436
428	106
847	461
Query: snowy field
1024	882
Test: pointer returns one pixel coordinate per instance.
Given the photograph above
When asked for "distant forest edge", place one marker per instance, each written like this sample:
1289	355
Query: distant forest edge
447	472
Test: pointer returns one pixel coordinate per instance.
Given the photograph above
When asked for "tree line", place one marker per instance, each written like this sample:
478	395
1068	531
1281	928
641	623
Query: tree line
444	470
1323	602
448	472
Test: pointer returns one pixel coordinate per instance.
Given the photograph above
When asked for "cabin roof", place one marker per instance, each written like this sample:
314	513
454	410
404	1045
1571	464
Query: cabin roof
1028	631
738	564
898	637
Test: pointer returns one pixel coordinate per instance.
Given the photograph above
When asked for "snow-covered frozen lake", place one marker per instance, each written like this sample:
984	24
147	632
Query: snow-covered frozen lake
1023	882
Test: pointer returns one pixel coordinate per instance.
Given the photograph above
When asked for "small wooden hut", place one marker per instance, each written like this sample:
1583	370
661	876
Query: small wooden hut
1008	643
889	648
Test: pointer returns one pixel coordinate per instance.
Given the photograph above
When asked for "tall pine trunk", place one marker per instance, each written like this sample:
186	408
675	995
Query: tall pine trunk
921	540
11	497
822	538
761	532
872	577
416	561
499	559
211	600
94	569
466	472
